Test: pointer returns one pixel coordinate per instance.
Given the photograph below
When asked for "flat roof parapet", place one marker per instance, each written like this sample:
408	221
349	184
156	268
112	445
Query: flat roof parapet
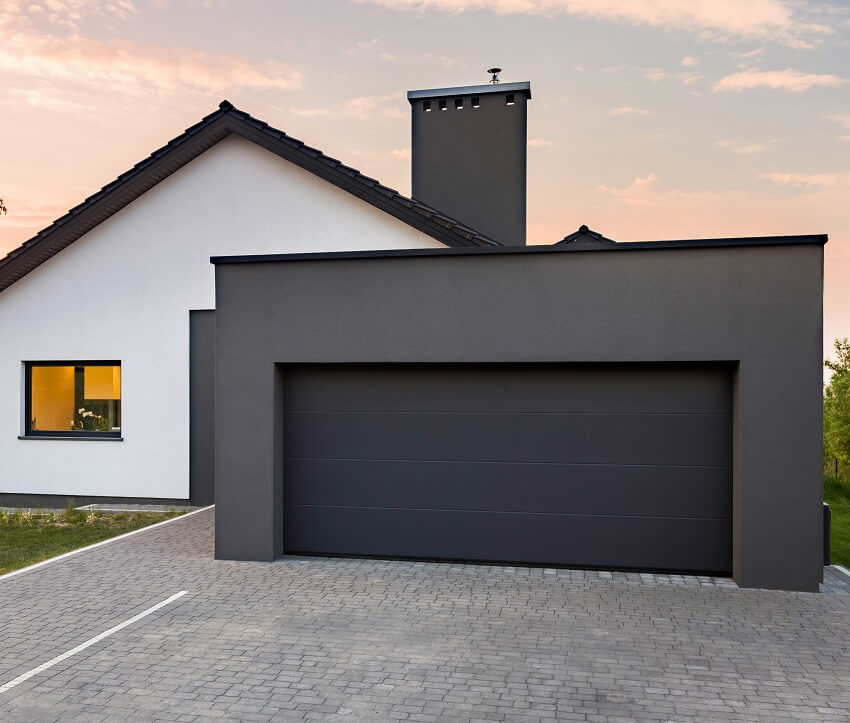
802	240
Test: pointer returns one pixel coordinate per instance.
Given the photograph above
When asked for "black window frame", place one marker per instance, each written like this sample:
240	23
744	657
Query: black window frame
30	433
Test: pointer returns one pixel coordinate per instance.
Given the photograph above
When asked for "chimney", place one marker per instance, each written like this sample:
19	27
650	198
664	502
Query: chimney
469	155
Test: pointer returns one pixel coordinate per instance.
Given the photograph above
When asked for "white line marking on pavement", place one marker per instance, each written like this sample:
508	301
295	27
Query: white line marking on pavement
82	646
102	542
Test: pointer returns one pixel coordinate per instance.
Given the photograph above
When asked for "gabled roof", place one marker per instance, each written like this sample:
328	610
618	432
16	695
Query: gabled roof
585	236
199	138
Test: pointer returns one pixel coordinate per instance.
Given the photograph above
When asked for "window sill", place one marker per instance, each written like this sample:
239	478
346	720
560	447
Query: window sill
79	438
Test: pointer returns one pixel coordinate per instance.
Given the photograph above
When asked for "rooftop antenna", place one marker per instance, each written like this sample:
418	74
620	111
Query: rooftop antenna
495	73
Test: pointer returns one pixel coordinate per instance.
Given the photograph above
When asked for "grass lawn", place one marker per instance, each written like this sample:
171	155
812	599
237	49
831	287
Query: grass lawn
27	538
836	494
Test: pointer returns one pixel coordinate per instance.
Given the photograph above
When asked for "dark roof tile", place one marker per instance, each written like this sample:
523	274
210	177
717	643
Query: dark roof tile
583	236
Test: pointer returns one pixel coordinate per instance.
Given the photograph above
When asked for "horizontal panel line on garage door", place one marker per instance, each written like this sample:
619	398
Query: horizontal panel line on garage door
497	461
500	512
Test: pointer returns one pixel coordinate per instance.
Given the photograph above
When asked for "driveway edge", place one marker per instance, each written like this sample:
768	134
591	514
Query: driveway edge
35	565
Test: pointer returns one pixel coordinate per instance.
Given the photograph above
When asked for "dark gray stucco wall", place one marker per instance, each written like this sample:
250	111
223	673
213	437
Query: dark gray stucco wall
471	163
202	407
756	306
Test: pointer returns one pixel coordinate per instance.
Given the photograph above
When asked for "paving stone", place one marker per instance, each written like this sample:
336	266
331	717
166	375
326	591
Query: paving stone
366	640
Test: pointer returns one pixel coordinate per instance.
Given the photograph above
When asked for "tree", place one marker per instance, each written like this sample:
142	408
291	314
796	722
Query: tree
2	206
836	405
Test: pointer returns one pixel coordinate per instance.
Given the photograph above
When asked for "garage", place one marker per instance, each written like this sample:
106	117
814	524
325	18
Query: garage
602	465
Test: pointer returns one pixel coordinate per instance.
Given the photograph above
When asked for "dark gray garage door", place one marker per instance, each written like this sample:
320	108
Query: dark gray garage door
598	465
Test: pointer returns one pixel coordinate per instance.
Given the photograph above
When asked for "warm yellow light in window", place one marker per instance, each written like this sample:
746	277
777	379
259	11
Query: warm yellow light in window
53	398
102	383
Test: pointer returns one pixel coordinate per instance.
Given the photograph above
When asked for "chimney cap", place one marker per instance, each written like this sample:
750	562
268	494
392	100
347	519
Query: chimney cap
521	87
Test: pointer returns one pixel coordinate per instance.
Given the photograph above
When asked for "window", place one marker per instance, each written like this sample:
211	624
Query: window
73	399
426	106
475	103
443	104
459	103
509	99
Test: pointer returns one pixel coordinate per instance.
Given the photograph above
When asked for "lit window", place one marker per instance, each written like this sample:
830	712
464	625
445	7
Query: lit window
73	398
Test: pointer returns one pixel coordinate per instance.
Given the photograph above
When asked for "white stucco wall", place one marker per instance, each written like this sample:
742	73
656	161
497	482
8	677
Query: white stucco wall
124	290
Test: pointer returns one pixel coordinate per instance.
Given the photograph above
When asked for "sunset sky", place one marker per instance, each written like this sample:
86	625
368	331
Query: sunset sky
650	119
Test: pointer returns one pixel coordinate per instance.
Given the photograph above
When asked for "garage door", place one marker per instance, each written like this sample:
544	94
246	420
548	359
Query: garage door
598	465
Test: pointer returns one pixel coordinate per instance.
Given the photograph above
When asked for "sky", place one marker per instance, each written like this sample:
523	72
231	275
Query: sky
649	119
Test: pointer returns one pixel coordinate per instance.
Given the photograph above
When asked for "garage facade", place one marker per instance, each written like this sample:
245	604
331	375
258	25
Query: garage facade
589	465
651	405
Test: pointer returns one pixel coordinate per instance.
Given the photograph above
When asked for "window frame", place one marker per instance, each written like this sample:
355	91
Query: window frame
88	434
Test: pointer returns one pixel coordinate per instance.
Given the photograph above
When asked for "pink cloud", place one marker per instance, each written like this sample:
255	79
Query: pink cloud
132	69
628	110
809	180
772	19
743	147
31	60
791	80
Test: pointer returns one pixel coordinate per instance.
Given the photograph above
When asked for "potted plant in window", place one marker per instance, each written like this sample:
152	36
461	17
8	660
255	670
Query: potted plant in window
88	421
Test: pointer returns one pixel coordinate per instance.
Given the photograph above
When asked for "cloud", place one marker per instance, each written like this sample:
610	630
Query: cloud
539	143
640	192
66	14
654	75
628	110
715	19
367	106
400	153
362	108
310	112
133	69
689	61
842	119
374	48
809	180
46	68
791	80
742	147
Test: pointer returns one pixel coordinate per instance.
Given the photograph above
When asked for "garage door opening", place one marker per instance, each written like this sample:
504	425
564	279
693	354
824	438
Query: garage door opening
606	465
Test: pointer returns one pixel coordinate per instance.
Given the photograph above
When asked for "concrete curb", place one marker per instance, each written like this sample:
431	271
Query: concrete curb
843	570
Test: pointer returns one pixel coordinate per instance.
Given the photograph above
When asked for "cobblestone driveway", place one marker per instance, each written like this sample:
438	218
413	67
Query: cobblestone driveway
374	640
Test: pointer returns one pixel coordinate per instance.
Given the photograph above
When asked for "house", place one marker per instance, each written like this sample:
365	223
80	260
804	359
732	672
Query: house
377	379
96	308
